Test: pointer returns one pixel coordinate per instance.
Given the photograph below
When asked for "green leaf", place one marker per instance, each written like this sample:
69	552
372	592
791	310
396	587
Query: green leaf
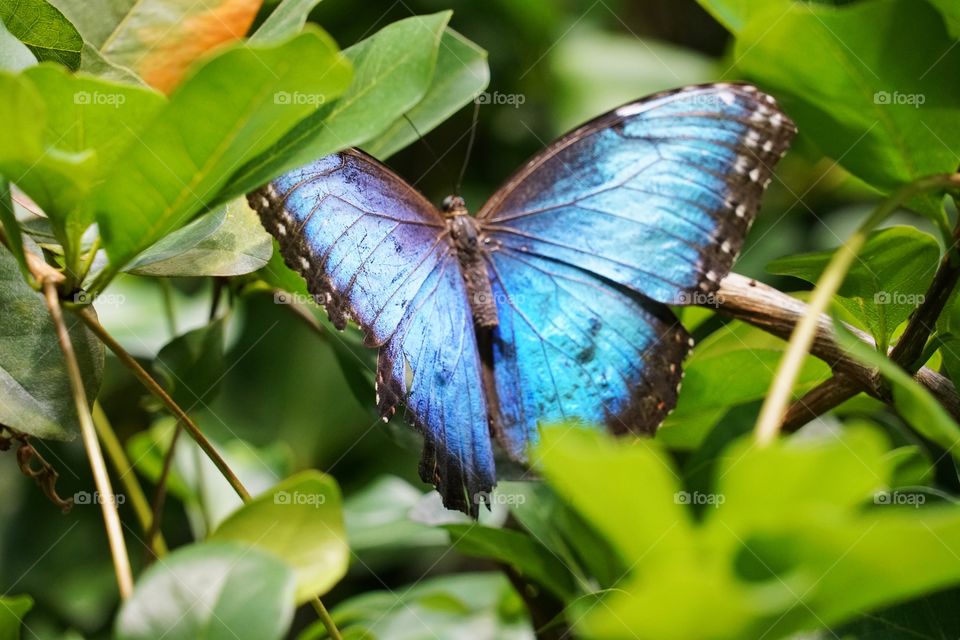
951	14
231	109
285	21
65	131
461	73
14	55
392	72
11	228
886	282
33	377
465	605
530	558
228	241
735	14
12	611
213	591
884	107
46	31
301	521
377	518
913	402
780	546
193	365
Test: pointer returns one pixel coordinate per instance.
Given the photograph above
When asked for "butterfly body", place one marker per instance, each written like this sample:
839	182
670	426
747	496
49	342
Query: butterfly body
551	304
473	247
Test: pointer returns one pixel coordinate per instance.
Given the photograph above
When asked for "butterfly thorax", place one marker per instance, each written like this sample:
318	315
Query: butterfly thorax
469	243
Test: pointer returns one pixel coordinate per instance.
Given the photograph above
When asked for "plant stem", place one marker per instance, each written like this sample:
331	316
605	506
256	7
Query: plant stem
118	457
775	405
326	619
108	502
154	387
166	294
160	493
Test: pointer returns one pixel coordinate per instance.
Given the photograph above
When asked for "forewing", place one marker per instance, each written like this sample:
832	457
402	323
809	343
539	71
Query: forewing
656	195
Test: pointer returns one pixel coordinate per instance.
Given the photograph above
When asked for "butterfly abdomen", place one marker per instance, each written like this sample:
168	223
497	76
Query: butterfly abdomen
466	238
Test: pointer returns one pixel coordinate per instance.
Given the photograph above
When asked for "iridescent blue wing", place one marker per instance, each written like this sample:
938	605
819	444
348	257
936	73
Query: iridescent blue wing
374	250
646	205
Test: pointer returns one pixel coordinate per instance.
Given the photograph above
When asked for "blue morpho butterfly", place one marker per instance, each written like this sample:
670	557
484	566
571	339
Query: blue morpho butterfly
551	303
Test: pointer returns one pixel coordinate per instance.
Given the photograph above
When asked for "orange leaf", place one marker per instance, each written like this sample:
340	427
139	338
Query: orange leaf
161	40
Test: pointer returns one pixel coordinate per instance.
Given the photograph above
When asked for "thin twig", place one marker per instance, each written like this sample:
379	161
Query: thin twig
160	493
777	313
118	458
154	387
108	502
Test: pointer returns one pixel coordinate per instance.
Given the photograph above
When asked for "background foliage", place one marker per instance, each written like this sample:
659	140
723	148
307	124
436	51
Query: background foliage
136	127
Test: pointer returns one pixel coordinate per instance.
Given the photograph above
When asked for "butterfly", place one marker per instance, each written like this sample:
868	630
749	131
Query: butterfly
551	303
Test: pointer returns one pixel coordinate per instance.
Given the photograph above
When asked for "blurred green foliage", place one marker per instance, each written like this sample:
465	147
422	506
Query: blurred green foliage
698	534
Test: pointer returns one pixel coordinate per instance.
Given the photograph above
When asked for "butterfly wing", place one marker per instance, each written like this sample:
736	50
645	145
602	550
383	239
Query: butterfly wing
645	206
374	250
656	195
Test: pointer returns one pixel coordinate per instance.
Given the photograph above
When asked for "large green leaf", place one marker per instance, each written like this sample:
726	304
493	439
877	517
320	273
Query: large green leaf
461	74
213	591
392	72
875	86
230	110
228	241
11	228
301	521
45	30
33	377
12	611
286	20
781	546
735	14
64	131
885	283
951	14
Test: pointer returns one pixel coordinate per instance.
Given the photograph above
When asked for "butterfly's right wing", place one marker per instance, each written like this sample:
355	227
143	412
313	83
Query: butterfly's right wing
374	250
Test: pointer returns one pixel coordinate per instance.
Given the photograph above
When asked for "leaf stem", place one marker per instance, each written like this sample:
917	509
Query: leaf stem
775	405
107	499
118	457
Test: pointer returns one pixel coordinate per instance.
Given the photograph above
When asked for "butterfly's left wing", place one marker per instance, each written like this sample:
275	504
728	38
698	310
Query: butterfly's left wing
374	250
642	207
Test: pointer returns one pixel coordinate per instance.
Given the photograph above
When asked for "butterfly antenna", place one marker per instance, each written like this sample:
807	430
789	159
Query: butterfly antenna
473	136
436	158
